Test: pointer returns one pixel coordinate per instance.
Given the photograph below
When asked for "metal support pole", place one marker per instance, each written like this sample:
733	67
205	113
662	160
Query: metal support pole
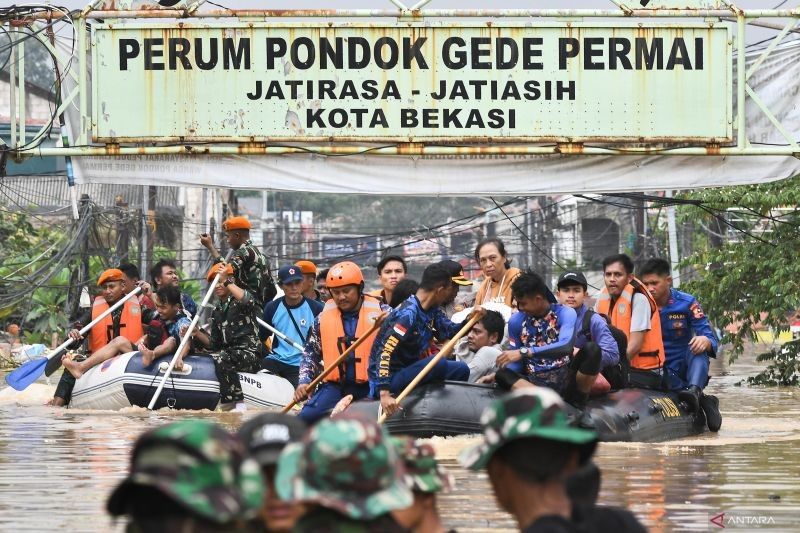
672	234
21	107
741	130
12	75
83	85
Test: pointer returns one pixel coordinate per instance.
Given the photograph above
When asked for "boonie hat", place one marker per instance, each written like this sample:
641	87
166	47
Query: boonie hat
423	472
539	413
267	434
345	464
307	267
200	466
235	223
289	273
572	278
456	271
112	274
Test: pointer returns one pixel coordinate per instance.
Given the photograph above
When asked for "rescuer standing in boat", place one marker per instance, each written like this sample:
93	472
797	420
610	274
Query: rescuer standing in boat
689	341
250	266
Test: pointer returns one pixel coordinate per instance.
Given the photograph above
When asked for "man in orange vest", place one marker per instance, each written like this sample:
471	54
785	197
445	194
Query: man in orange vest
631	308
122	327
346	317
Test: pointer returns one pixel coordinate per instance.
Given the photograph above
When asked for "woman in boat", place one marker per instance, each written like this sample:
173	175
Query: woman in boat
498	273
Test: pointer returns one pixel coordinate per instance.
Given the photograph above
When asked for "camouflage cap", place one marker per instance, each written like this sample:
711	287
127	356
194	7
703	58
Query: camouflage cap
423	472
345	464
537	412
200	466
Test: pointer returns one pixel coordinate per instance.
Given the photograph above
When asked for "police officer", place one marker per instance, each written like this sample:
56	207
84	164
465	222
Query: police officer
689	340
250	266
234	337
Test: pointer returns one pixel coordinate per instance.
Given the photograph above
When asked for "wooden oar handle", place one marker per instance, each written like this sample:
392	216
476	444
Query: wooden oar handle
336	363
446	349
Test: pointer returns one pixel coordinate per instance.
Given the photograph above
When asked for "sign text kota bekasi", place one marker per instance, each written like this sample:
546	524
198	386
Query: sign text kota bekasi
409	83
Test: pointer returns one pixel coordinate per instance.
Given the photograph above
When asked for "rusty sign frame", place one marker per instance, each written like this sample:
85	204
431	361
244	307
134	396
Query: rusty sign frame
83	146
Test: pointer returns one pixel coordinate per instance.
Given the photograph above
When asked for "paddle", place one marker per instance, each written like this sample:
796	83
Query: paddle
186	337
279	334
338	361
446	349
30	371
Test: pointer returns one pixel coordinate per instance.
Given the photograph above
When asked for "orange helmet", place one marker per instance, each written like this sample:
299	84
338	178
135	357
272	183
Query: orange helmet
344	273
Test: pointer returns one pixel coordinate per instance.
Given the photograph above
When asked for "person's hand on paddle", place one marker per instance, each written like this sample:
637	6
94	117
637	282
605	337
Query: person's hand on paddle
146	288
75	335
381	318
478	311
388	403
301	392
488	379
700	344
222	272
507	357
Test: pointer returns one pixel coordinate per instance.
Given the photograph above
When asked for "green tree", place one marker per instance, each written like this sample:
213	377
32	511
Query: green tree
753	278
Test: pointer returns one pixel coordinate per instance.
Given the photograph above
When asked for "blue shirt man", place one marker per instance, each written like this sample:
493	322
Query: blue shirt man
402	347
595	348
689	341
541	335
293	315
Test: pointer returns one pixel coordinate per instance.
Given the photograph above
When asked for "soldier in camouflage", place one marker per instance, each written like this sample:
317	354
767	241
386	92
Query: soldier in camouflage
234	337
190	475
529	451
349	473
425	477
250	266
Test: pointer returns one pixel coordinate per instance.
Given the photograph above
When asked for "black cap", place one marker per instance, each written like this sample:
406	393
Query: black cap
456	271
266	434
572	278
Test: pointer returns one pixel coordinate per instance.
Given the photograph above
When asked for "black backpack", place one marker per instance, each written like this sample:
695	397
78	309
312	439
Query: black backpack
616	375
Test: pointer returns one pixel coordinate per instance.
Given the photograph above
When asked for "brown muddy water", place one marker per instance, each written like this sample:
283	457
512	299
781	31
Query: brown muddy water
57	466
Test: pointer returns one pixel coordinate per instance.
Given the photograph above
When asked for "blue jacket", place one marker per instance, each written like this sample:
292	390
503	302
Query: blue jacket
550	339
294	322
681	319
404	338
600	334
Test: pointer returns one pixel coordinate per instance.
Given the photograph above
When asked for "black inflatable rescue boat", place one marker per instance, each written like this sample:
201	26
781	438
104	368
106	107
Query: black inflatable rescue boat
454	408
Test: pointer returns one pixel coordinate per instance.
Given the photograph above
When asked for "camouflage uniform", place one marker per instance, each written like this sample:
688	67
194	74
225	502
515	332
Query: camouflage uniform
349	468
251	272
423	472
539	412
197	465
234	338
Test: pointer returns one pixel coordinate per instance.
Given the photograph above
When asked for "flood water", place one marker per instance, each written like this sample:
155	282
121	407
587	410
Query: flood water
57	466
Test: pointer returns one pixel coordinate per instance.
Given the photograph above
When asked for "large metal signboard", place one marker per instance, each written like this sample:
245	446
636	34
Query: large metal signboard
256	81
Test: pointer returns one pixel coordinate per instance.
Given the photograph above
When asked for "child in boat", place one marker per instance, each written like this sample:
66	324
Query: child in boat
122	326
168	304
234	336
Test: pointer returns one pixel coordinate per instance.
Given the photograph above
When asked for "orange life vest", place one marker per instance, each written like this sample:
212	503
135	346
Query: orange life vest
130	323
332	337
651	356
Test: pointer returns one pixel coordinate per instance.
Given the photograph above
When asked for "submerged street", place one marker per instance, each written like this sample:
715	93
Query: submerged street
67	461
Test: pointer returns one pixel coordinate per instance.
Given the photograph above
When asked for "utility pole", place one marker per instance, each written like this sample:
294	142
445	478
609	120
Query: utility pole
80	275
123	234
672	233
152	197
223	243
639	229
